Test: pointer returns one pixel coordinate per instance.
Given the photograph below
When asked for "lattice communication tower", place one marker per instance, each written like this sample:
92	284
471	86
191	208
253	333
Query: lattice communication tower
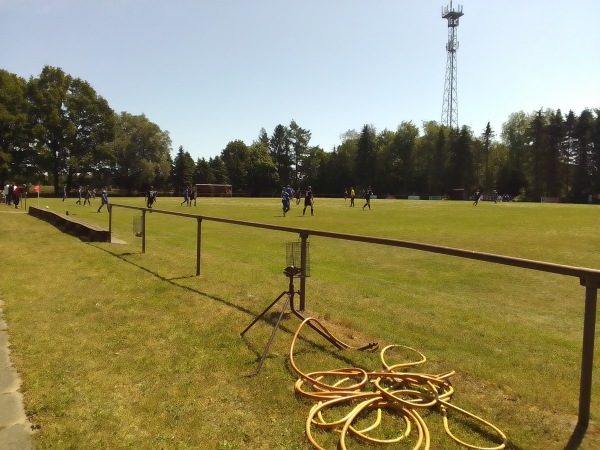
450	105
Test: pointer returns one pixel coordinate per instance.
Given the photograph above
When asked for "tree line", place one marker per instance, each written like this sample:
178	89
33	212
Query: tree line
56	129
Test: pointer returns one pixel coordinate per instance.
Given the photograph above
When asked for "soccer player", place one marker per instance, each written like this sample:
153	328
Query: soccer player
309	200
476	196
151	197
368	194
104	197
285	201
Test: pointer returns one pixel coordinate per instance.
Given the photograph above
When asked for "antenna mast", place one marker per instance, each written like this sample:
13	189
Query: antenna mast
450	104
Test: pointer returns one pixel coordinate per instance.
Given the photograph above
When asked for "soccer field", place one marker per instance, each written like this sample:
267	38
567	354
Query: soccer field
512	335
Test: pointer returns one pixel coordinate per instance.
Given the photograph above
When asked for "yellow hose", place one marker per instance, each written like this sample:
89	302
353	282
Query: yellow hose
403	393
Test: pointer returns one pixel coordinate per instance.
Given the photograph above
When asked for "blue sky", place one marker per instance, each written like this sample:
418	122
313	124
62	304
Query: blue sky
211	72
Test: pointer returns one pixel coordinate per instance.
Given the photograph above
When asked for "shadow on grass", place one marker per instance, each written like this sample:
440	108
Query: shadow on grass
122	257
270	319
478	429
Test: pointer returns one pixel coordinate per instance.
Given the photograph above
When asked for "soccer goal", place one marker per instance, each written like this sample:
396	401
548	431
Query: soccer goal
213	190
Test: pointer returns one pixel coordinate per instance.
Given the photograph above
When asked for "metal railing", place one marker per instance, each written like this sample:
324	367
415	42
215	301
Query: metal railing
589	278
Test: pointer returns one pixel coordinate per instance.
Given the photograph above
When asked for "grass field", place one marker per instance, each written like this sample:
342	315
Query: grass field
119	349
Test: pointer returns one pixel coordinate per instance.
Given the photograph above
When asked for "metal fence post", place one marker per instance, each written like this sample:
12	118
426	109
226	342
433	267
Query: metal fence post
587	352
110	224
143	231
304	238
198	245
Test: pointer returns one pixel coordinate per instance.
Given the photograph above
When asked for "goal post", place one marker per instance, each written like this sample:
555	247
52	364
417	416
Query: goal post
213	190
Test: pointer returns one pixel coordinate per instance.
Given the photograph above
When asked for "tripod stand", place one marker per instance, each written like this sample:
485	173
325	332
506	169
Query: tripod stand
290	272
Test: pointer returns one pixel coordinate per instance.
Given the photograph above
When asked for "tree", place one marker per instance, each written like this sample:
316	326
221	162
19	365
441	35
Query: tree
386	176
219	170
204	173
486	143
343	160
582	182
236	156
349	135
555	133
535	161
263	138
262	176
319	171
279	149
439	162
70	122
460	159
430	158
595	152
515	136
299	139
184	170
94	122
568	152
17	158
141	153
404	146
366	156
510	181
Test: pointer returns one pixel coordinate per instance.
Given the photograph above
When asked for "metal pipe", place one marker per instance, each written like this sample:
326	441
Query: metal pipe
587	352
110	224
198	245
304	240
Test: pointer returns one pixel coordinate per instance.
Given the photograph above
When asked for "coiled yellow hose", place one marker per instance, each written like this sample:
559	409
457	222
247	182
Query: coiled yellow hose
402	393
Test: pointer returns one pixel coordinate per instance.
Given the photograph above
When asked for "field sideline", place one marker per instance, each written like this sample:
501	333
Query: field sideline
119	349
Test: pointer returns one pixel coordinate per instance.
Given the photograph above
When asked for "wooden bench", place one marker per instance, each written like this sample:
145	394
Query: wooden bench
70	225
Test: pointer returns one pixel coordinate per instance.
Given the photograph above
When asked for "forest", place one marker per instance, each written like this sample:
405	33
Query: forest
56	130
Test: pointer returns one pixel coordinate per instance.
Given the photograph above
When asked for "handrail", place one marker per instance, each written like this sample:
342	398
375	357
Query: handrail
561	269
589	278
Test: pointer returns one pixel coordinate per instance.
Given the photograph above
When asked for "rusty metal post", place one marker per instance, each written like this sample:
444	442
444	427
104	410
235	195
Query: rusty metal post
304	239
198	245
143	231
109	224
587	353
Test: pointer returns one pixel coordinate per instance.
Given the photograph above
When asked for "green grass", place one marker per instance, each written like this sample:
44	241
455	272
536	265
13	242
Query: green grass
119	349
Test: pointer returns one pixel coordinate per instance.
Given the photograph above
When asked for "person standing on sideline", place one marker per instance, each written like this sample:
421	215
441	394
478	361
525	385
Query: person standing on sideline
309	200
64	193
6	193
476	197
352	195
16	194
151	197
9	193
104	198
345	195
78	202
368	194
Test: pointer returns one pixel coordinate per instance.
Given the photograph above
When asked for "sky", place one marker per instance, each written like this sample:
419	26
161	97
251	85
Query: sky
213	71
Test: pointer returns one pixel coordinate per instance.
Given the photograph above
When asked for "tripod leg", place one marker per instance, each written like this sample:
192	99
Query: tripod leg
264	355
263	313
